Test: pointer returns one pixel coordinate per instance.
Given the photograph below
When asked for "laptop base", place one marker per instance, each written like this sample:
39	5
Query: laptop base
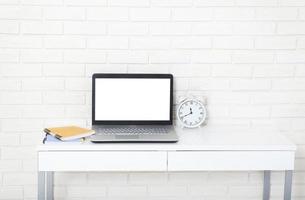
151	137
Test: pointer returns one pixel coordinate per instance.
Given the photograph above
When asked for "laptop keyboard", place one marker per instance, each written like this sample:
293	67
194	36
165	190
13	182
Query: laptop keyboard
132	131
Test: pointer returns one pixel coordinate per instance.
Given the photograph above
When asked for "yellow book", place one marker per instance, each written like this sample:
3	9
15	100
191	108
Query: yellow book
69	132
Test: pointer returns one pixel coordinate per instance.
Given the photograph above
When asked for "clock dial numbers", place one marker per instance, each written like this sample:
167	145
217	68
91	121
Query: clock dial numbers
191	113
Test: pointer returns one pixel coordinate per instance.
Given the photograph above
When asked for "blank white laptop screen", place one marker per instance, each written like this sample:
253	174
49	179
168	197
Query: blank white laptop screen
128	99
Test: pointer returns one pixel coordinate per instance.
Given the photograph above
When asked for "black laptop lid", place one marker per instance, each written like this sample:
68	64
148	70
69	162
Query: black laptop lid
132	99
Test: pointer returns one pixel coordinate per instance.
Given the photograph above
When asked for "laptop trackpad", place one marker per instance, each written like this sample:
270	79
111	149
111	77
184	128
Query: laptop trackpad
126	137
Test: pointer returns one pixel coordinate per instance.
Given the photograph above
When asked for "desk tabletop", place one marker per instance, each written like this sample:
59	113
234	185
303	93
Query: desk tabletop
189	140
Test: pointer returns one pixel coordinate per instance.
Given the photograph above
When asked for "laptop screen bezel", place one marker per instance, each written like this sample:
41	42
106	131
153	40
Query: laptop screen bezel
133	122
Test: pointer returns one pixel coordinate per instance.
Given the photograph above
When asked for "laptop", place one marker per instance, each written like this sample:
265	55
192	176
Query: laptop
132	108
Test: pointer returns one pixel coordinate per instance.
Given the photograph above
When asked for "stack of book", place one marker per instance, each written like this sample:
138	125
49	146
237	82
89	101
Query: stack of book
66	134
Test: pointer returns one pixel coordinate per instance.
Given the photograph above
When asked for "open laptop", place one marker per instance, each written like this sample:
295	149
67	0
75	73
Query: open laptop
132	108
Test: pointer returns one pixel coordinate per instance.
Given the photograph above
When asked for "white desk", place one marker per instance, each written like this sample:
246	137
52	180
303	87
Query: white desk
196	151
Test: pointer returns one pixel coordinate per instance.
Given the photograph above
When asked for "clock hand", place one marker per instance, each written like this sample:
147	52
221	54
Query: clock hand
191	112
186	115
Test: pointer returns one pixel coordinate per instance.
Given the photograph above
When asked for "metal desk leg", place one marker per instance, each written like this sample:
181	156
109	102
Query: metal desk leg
49	186
41	185
288	185
266	191
45	185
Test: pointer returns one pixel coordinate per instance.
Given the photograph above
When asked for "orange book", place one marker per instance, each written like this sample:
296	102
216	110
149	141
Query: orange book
69	132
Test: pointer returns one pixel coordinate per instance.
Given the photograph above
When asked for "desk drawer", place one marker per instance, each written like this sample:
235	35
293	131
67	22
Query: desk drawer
230	160
102	161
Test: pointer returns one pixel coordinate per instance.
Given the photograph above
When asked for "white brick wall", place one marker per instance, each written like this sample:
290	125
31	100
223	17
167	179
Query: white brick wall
246	56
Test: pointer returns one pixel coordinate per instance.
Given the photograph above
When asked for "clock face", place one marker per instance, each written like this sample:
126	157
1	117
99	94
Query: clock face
191	113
